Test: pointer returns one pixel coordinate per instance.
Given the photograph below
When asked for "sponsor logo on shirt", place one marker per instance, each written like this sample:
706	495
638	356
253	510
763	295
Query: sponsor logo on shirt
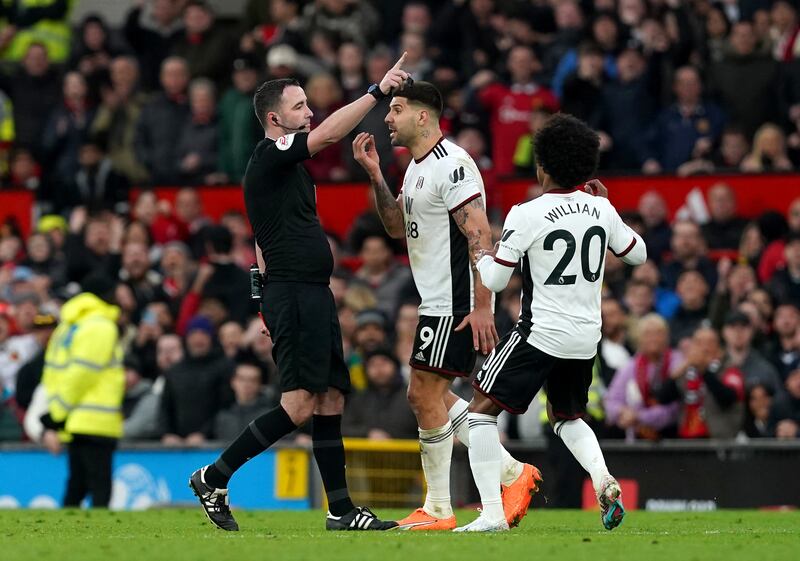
285	142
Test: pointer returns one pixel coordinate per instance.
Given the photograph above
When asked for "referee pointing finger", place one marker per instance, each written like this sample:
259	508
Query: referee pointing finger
298	306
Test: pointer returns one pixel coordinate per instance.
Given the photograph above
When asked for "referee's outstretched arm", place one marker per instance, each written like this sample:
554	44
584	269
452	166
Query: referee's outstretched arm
339	124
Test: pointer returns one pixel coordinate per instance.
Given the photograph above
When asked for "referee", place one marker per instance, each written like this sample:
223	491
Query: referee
298	306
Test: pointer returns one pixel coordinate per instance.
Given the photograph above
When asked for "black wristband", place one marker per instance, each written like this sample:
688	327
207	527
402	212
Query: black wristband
375	91
49	423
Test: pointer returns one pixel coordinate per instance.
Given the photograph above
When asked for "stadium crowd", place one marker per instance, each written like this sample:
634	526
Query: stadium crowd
701	341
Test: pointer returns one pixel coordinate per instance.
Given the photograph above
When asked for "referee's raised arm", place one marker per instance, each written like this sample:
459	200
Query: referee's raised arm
292	114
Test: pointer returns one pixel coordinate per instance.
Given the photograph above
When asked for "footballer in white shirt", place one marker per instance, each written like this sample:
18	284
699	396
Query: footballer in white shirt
441	211
560	241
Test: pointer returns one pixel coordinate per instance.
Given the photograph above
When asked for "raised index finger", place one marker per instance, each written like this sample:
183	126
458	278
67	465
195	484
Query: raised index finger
400	62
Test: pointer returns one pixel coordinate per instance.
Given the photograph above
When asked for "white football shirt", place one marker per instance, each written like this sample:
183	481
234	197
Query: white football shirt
434	187
561	238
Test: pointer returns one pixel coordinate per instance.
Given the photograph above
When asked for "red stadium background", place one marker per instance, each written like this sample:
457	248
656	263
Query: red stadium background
340	203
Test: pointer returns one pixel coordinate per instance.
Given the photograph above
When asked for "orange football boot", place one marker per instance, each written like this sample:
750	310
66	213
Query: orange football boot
517	496
421	520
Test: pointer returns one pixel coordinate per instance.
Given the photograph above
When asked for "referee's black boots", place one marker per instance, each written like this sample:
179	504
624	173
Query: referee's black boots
214	502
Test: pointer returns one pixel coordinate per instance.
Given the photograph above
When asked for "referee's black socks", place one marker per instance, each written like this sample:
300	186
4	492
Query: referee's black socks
254	439
326	434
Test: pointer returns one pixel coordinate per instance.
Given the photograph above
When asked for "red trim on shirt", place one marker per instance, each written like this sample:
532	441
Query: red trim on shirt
462	203
504	262
627	249
438	142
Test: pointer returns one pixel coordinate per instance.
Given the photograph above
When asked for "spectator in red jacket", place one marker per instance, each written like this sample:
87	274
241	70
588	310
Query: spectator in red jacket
510	104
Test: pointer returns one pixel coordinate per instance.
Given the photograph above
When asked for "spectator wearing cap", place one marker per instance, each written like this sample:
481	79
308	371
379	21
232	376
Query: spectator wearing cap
784	418
631	402
785	283
711	394
687	128
121	104
151	29
207	47
737	334
195	389
161	122
388	279
198	142
85	384
380	411
252	399
239	130
783	350
30	373
369	334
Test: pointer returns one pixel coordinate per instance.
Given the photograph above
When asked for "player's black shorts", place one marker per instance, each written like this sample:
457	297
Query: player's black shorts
440	349
516	371
306	337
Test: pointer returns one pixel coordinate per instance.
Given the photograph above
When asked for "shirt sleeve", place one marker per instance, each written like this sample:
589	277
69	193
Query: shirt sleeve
624	242
459	182
288	150
515	238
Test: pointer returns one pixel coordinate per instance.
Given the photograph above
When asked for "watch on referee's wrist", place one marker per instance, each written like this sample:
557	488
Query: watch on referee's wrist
375	91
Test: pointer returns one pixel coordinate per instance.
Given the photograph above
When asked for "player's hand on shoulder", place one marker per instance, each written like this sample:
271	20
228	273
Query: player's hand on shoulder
596	187
365	153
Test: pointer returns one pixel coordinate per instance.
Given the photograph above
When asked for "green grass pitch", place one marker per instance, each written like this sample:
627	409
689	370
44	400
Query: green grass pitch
177	534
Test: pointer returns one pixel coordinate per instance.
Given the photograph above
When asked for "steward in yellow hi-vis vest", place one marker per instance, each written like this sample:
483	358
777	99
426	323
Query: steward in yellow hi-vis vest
24	22
85	383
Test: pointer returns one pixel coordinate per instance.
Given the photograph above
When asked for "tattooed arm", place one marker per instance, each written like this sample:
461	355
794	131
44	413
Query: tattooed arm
389	207
472	221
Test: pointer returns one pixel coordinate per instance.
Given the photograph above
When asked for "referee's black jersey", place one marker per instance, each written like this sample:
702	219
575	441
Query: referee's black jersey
281	204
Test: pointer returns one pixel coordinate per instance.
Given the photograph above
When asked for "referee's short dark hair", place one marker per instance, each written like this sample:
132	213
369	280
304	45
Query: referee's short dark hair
268	96
423	93
567	149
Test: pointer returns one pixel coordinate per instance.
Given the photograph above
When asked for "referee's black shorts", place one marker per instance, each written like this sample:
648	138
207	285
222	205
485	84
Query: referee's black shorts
515	371
306	337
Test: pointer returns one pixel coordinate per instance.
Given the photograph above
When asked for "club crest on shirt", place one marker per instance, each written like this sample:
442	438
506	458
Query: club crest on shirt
420	181
285	142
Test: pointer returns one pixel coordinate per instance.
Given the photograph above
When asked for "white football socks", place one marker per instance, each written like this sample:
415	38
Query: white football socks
582	442
510	469
436	448
484	460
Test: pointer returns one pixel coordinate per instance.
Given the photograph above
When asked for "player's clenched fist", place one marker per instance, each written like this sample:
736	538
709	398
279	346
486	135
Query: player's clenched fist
365	153
395	77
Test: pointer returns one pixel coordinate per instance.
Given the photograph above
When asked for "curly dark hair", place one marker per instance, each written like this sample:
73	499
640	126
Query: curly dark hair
567	149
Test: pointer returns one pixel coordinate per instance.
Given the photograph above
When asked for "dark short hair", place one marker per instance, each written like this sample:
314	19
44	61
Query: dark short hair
220	239
268	96
567	149
423	93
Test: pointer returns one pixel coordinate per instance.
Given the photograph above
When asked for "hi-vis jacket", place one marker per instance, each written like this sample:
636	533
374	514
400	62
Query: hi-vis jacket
83	371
